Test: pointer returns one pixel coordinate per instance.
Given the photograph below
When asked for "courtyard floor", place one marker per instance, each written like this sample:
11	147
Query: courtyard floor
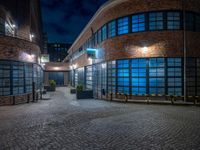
66	123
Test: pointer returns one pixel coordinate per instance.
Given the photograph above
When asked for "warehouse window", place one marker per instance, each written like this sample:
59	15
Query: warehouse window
123	76
191	76
138	23
173	20
112	29
5	82
197	23
198	77
174	76
156	76
23	75
138	74
2	26
123	26
18	78
104	32
29	77
189	21
112	76
99	37
156	21
96	38
89	77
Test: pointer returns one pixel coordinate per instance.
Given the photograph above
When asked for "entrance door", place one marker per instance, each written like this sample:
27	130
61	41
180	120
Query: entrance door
99	82
58	77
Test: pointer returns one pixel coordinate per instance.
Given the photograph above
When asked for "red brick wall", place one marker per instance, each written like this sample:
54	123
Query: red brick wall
8	100
56	66
16	49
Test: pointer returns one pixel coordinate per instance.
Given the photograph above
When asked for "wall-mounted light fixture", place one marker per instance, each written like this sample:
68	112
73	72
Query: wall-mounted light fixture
31	37
14	26
56	68
90	60
145	49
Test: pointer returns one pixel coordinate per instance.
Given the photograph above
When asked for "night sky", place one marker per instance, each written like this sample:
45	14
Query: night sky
63	20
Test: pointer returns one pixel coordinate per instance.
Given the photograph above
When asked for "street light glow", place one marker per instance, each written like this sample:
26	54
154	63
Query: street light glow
145	49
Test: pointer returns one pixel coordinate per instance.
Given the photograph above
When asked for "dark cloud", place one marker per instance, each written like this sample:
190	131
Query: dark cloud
64	19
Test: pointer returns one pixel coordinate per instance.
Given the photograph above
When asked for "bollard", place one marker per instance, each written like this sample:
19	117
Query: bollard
111	96
126	97
13	100
172	99
40	94
147	98
28	98
33	90
195	100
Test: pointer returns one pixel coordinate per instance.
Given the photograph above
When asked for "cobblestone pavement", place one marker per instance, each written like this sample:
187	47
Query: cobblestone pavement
64	123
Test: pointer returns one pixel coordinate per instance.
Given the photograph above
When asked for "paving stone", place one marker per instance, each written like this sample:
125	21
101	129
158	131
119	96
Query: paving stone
65	123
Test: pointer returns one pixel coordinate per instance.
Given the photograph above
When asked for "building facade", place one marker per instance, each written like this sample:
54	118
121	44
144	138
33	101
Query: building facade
21	76
139	47
56	70
57	51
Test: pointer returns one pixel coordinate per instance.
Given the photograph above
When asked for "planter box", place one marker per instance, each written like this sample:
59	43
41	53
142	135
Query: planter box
84	95
73	91
50	88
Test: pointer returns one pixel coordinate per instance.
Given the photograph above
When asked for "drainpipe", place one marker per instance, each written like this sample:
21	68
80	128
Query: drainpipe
185	50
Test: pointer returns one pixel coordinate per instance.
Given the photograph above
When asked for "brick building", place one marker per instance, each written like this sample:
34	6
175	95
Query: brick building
57	51
139	47
56	70
20	47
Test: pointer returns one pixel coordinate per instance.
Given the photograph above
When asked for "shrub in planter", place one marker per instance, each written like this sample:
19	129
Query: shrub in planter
52	83
81	94
79	88
52	86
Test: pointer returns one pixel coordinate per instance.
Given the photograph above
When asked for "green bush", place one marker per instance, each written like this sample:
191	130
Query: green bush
79	88
52	83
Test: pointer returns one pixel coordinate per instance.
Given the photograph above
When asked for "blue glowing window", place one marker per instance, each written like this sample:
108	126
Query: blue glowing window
124	90
175	91
174	81
174	62
157	91
112	29
139	82
123	26
138	90
123	81
138	62
99	36
157	82
123	72
96	38
153	72
138	23
104	32
156	21
139	72
174	72
173	20
123	64
156	62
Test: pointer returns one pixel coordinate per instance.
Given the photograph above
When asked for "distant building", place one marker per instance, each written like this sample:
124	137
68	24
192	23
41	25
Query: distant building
45	43
58	51
55	69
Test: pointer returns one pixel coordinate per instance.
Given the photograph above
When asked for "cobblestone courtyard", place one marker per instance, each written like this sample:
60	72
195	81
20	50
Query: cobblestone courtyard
65	123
